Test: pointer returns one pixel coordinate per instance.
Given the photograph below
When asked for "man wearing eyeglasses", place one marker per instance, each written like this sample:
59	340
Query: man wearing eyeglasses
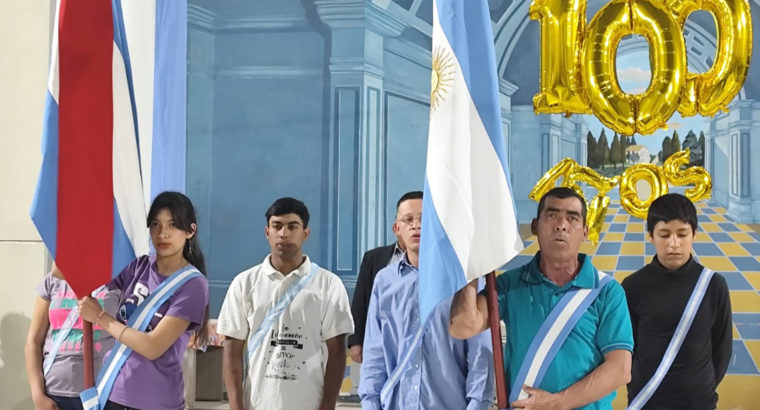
443	372
372	261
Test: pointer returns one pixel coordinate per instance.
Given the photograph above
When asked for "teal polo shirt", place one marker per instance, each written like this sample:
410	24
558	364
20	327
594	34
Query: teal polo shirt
526	297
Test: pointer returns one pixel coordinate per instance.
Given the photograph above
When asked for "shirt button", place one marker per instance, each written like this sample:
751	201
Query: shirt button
415	387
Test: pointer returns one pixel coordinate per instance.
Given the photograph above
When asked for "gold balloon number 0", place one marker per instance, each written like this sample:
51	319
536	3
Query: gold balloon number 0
673	171
578	62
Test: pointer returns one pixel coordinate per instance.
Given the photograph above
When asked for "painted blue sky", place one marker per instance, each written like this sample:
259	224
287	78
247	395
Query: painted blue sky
634	75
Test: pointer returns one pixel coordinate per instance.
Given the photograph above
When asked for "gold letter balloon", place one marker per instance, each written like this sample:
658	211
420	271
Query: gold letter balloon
673	171
713	90
562	28
629	195
597	207
578	62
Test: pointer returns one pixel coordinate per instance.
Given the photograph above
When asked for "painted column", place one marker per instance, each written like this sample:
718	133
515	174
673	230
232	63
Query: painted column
506	89
729	150
355	188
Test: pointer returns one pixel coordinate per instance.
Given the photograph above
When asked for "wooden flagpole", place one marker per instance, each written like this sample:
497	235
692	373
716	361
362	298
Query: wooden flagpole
498	350
89	376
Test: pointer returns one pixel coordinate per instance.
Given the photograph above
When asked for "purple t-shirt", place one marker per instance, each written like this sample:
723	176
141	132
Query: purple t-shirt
156	384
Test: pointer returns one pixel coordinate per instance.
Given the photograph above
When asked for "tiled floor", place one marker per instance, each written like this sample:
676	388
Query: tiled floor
731	249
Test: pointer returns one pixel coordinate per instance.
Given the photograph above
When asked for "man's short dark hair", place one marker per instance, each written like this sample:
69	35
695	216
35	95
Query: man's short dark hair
407	196
671	207
562	193
289	205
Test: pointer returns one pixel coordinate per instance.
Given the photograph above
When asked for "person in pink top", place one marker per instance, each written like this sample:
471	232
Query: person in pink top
56	370
151	377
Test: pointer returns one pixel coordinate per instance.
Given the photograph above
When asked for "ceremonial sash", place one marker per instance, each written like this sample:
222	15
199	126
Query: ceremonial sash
95	398
63	332
552	335
675	342
282	303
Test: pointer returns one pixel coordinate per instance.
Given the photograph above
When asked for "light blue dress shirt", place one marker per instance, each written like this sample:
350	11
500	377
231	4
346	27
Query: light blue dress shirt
398	253
444	373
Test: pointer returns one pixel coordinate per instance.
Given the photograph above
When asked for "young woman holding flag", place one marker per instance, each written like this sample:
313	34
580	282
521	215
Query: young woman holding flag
164	299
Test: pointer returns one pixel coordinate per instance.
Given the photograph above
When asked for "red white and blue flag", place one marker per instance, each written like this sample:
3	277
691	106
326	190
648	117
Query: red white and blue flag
99	146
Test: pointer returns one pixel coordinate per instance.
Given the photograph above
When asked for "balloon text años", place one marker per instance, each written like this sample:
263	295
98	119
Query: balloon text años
674	172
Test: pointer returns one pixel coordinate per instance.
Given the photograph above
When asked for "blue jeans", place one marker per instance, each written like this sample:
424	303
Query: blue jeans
116	406
67	403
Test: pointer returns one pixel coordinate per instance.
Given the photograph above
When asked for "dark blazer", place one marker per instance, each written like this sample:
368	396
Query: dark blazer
372	261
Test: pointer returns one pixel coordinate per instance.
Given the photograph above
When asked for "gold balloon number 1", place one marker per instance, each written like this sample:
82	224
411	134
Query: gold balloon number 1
578	72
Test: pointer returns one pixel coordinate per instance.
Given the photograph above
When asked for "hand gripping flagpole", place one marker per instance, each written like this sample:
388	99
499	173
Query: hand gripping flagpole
498	350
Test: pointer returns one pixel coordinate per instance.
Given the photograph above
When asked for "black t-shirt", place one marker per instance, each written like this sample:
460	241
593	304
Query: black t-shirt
656	300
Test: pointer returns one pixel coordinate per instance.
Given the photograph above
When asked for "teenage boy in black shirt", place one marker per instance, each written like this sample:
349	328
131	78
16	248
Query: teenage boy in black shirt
657	296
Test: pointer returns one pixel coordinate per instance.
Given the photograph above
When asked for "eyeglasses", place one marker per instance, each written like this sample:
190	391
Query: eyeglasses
408	219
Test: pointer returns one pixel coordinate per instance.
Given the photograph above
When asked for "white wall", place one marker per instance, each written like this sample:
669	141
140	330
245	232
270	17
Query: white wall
24	48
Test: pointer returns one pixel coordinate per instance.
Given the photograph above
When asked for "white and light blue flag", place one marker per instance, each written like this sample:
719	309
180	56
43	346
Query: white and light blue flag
469	224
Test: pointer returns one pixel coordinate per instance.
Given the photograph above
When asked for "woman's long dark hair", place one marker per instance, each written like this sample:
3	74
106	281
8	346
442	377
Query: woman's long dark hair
183	214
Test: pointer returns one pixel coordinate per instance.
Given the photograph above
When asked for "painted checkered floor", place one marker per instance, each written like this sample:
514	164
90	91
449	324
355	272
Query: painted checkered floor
731	249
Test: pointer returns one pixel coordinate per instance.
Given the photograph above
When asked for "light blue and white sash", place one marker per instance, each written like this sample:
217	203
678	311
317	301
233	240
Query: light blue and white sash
282	303
95	398
62	334
552	335
675	342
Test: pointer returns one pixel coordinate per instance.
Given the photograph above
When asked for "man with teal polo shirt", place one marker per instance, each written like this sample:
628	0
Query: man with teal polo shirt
569	337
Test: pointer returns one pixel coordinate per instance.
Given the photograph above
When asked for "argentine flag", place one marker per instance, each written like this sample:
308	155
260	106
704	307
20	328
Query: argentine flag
111	140
469	225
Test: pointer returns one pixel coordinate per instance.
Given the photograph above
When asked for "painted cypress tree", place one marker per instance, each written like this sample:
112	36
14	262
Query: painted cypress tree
692	144
617	152
675	143
667	149
603	150
591	148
